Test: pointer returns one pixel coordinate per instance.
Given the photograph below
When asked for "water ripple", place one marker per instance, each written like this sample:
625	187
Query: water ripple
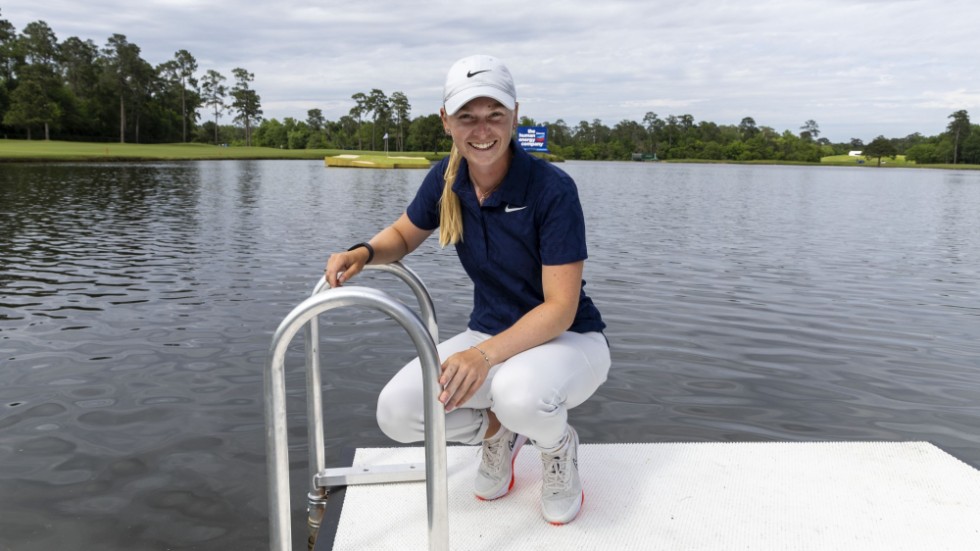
137	304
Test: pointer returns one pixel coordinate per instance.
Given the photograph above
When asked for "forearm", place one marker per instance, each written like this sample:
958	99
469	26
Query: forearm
464	372
562	286
397	240
542	324
389	245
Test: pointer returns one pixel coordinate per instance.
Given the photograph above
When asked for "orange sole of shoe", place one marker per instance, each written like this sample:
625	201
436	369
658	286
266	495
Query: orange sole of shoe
573	518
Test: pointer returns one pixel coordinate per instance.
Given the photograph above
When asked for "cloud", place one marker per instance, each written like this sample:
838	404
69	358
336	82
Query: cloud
953	99
846	63
661	104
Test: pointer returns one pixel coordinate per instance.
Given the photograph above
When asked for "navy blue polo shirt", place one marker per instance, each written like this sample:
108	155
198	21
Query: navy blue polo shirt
533	219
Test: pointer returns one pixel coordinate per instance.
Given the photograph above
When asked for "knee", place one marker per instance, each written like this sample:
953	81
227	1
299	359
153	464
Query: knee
397	418
517	409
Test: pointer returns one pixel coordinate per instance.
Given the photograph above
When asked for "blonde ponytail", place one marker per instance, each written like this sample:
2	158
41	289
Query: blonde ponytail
450	211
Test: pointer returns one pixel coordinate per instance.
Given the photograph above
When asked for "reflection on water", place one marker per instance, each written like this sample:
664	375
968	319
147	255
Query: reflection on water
137	304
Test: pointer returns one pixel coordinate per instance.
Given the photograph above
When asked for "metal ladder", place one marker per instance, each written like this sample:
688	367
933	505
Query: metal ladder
424	336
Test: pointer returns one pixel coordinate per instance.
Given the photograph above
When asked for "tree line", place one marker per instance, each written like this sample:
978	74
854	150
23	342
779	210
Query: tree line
375	118
76	90
680	137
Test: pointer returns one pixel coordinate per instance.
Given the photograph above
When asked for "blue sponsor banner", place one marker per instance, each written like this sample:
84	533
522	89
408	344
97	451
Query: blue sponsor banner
533	138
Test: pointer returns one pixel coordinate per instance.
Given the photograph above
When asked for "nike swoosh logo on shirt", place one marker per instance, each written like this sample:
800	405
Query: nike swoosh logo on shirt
509	208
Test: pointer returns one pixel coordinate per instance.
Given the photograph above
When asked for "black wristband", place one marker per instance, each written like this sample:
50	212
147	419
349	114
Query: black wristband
366	246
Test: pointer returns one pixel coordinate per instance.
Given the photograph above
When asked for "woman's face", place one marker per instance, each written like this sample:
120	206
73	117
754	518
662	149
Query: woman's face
481	131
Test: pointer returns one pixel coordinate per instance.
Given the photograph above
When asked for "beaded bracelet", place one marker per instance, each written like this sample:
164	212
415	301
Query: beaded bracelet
485	357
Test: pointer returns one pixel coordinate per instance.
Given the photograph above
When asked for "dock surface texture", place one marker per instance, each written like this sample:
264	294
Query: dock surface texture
692	496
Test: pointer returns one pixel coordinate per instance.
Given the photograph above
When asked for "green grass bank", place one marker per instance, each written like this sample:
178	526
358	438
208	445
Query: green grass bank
55	151
58	151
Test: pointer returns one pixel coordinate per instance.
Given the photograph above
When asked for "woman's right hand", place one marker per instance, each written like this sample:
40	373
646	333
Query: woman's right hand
341	267
389	245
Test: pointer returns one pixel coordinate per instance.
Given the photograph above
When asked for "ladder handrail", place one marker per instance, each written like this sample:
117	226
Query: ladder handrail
426	307
275	409
314	399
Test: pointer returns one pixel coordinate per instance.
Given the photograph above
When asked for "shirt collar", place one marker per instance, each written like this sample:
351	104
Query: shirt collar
512	191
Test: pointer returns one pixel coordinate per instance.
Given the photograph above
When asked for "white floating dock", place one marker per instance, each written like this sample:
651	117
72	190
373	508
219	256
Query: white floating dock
686	497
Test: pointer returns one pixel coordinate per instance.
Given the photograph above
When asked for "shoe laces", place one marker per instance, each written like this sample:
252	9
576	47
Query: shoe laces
557	475
493	455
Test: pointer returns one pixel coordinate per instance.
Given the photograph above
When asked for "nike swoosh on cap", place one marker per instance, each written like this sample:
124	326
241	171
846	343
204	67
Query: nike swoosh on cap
509	208
471	74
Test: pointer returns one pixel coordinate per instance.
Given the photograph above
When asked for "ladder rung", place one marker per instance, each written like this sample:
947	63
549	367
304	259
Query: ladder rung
370	474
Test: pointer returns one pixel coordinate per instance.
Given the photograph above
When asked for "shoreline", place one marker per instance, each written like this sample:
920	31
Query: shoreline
40	151
13	151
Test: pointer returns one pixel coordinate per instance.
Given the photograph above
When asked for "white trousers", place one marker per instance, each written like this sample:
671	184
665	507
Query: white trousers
530	393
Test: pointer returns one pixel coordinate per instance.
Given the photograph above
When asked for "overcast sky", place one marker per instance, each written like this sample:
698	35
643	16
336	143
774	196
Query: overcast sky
859	68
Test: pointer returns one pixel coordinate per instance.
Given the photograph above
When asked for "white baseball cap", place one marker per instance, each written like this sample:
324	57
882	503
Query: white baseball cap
478	76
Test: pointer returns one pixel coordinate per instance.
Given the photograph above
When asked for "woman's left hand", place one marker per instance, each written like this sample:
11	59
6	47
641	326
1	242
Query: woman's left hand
463	374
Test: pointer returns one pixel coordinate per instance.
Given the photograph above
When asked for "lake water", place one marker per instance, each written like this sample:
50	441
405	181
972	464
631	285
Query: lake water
744	303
